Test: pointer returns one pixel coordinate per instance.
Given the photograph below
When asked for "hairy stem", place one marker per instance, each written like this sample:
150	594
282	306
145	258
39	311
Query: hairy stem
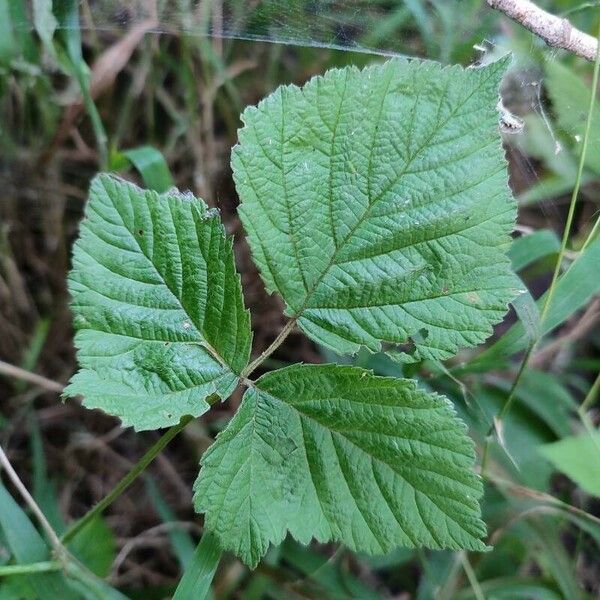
289	326
135	472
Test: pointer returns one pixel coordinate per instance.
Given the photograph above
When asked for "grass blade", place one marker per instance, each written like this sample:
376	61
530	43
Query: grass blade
180	540
152	167
528	249
573	291
27	546
195	583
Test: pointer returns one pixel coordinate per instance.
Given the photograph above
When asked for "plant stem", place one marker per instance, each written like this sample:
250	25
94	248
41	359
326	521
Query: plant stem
555	31
591	235
521	491
135	472
505	408
591	396
585	419
97	126
511	394
563	247
35	509
289	326
468	569
575	194
64	560
38	567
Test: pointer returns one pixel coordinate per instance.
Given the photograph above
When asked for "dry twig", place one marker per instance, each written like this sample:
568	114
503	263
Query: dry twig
555	31
18	373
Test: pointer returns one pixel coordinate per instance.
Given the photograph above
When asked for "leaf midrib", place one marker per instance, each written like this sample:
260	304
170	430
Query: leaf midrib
332	262
342	433
416	490
202	341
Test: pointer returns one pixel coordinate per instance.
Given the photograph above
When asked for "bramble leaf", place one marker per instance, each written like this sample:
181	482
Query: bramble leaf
157	305
376	204
336	453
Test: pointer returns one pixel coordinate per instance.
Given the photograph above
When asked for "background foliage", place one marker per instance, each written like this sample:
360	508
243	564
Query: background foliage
87	86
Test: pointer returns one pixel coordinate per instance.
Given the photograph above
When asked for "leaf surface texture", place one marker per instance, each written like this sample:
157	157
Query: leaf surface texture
337	453
157	305
376	204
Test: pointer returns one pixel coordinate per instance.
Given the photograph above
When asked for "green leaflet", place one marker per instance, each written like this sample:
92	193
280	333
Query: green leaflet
336	453
376	204
157	306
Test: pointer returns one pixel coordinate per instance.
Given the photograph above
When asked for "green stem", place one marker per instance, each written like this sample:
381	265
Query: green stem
591	396
505	408
470	573
585	419
289	326
39	567
591	236
135	472
575	194
485	455
563	247
198	576
511	394
97	126
69	21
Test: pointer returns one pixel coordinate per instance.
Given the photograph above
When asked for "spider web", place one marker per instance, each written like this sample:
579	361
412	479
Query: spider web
373	27
381	28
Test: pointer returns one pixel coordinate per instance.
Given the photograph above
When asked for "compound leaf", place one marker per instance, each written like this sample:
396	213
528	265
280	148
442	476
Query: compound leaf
157	306
336	453
376	204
